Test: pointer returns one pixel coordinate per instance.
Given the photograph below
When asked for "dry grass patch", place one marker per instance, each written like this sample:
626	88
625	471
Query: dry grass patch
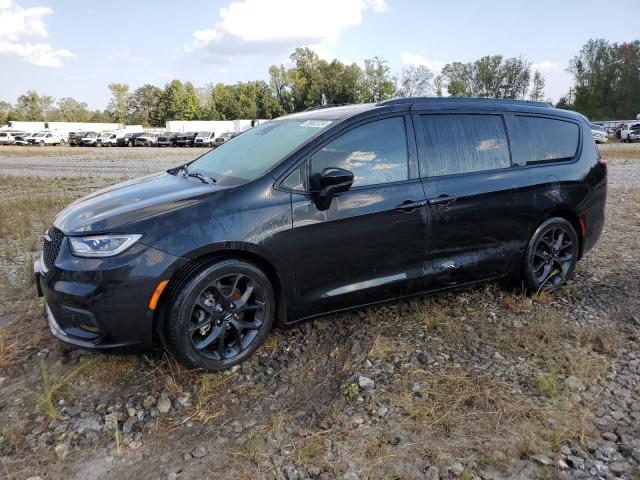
616	150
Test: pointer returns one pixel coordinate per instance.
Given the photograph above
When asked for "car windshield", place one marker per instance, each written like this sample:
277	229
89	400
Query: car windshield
203	134
597	127
91	135
39	135
257	150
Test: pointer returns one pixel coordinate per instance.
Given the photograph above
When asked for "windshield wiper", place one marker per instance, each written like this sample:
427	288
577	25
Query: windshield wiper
196	174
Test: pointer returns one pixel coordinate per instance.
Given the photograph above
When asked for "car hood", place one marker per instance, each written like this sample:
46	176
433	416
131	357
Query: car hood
109	209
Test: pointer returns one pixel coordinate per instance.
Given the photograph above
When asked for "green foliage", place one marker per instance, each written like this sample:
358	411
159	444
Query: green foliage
352	391
143	106
537	88
118	105
416	82
490	76
607	86
607	80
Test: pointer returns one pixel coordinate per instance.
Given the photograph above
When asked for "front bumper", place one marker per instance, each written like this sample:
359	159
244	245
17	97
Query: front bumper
102	304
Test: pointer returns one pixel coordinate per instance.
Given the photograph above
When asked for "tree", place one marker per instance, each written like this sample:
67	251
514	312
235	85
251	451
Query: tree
173	102
191	109
458	78
537	89
70	110
5	110
377	84
437	84
416	82
515	75
118	104
143	105
489	76
29	107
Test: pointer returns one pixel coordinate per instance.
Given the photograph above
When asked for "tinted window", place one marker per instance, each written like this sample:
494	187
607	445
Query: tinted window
463	143
257	150
375	152
537	139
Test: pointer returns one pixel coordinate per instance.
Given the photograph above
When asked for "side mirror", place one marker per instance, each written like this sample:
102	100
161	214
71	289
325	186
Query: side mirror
333	181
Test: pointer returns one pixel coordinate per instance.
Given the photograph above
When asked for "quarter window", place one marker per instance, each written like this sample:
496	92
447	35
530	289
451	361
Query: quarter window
463	143
375	153
539	139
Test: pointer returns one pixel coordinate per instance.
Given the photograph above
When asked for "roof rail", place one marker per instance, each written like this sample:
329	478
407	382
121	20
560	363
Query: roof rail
328	105
406	100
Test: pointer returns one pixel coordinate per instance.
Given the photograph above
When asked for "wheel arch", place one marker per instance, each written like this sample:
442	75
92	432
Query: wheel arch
201	260
572	217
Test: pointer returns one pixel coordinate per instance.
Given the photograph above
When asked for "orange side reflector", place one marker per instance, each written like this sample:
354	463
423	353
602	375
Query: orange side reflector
156	294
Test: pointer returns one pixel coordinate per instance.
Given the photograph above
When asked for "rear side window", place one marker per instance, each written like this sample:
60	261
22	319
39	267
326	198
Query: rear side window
463	143
538	139
375	152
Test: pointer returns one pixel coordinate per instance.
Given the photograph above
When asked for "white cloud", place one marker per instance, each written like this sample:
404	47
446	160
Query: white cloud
547	66
18	24
277	26
417	60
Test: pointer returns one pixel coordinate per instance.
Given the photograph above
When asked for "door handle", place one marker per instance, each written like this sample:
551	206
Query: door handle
409	205
441	200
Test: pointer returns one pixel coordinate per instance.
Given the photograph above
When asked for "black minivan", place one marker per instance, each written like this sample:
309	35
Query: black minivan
323	211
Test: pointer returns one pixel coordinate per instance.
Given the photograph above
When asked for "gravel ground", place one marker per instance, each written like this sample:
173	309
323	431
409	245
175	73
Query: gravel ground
489	383
83	161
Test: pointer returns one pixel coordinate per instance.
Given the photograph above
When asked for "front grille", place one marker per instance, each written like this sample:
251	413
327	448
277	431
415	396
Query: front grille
52	241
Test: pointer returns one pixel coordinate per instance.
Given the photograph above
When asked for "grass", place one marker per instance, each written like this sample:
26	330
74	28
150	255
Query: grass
51	389
617	150
460	412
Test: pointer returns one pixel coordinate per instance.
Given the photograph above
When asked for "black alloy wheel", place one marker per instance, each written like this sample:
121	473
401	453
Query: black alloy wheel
220	316
551	255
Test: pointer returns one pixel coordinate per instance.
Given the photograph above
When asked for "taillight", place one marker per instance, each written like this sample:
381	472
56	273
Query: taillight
603	164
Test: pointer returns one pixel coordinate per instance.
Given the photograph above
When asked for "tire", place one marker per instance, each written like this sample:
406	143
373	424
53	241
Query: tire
210	324
130	144
62	142
41	143
551	255
98	144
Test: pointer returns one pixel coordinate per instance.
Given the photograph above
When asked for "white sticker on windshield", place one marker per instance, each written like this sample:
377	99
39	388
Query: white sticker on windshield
315	123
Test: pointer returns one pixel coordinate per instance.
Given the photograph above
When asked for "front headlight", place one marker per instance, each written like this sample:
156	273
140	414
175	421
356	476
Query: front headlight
102	245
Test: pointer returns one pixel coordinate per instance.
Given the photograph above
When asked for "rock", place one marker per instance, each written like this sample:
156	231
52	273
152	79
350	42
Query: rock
610	437
164	403
432	473
366	383
62	450
237	426
383	410
416	387
542	459
128	425
574	384
149	401
619	467
184	400
456	469
199	452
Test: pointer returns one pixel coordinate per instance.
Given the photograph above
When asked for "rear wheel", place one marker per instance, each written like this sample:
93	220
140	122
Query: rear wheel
551	255
220	316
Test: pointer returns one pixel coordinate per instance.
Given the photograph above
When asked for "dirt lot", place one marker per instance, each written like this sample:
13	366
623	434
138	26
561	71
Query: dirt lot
488	383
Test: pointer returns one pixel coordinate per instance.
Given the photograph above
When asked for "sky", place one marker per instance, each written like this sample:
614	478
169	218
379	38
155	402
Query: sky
75	48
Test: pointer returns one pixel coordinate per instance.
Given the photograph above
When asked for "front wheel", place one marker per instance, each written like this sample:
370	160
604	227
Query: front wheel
220	316
551	255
